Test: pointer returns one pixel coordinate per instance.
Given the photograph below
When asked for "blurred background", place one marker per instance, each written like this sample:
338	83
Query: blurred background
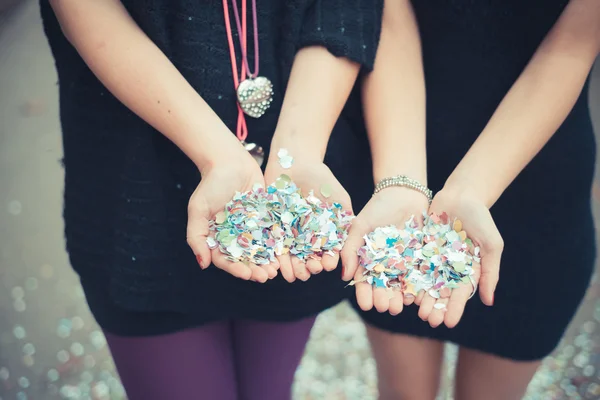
51	348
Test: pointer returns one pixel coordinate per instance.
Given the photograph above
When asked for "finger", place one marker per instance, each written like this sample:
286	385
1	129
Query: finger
426	307
456	304
275	264
237	269
396	303
419	297
258	273
300	270
271	270
350	251
381	299
408	298
197	232
364	292
285	265
314	266
329	261
490	273
437	314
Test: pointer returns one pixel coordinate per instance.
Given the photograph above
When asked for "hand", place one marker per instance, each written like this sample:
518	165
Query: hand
391	206
219	183
308	174
480	227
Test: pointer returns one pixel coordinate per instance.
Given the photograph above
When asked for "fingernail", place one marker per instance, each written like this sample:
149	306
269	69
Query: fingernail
199	259
408	296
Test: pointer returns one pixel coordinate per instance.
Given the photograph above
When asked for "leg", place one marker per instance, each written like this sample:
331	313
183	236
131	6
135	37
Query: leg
408	367
193	364
485	376
267	355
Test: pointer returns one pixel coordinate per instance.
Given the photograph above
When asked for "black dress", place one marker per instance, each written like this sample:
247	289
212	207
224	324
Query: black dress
127	186
474	50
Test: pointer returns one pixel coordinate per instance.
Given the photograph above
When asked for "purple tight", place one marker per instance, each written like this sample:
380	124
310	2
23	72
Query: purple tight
239	360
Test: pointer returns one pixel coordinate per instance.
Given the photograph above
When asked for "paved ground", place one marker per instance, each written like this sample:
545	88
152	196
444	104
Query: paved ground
50	348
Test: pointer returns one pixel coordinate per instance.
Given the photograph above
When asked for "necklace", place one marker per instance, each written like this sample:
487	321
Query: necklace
255	94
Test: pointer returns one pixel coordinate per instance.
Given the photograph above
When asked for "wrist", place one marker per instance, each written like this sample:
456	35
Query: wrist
383	170
403	181
405	196
463	187
307	148
208	151
395	159
380	174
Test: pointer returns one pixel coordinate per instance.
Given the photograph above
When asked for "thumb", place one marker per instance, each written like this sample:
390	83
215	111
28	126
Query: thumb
350	251
197	229
490	273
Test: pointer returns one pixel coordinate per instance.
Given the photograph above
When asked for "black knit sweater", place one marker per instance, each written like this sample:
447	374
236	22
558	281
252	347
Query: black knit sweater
127	186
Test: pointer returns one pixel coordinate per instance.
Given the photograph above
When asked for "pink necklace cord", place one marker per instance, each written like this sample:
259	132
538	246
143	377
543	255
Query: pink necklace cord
242	128
255	28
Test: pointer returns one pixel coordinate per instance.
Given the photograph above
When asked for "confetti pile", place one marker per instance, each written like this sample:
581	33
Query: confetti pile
258	225
435	258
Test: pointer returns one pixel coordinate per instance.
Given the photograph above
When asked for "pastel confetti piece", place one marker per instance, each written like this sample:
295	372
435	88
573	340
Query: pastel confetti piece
282	153
457	226
211	242
285	178
326	190
440	306
285	159
379	268
220	217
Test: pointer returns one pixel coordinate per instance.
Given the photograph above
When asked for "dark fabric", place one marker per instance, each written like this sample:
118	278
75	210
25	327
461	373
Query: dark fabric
239	360
127	186
473	53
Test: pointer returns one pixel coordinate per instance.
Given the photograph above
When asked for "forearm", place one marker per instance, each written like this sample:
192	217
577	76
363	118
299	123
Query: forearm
135	71
319	86
394	97
534	108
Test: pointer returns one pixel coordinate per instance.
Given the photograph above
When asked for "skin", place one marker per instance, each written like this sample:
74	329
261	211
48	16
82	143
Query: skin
321	96
111	43
526	119
396	129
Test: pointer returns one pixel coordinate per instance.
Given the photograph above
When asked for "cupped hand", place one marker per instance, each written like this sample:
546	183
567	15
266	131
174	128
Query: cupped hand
220	182
391	206
309	174
481	229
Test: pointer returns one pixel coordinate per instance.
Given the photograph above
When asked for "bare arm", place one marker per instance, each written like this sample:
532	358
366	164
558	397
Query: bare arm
394	97
319	86
394	106
112	45
535	107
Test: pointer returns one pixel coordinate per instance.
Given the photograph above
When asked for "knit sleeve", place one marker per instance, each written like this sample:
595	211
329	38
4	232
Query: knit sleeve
347	28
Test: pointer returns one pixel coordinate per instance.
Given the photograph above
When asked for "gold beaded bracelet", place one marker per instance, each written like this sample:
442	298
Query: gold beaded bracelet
404	181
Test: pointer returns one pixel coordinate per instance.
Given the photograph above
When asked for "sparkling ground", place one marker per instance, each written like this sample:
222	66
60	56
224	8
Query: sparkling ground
50	347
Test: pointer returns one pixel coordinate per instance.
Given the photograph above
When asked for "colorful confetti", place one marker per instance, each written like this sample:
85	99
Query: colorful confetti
258	225
436	257
285	159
